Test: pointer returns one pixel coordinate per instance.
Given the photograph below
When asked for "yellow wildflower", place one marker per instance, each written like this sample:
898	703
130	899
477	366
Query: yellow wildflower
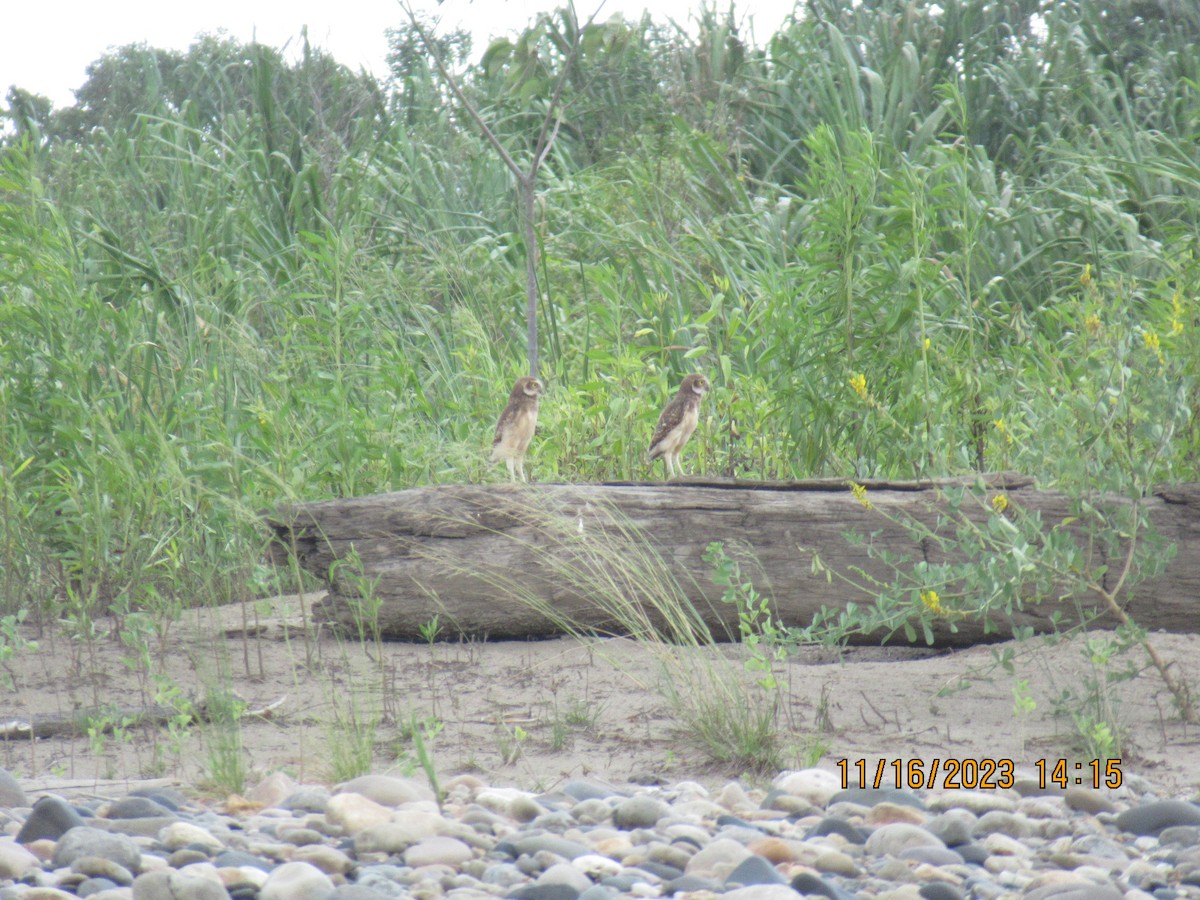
859	383
1176	315
1150	339
1000	503
1092	323
933	602
927	343
1001	426
1086	278
860	494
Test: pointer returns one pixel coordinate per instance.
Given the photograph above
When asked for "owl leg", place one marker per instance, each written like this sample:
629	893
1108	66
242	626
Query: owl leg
670	466
512	470
521	468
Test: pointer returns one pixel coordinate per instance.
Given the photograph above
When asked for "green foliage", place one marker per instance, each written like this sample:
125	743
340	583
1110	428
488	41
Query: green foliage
228	281
225	765
766	640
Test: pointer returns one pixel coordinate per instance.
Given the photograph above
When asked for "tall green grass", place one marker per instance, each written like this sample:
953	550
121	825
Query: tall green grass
214	305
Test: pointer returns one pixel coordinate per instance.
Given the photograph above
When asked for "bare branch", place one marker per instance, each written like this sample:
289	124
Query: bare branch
488	134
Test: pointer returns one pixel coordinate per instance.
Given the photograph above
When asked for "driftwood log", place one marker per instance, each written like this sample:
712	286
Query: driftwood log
507	561
82	722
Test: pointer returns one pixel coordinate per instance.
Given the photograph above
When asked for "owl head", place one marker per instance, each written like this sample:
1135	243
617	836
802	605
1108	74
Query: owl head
527	386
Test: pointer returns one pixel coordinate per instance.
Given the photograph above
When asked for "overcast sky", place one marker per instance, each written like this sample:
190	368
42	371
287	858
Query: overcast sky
46	45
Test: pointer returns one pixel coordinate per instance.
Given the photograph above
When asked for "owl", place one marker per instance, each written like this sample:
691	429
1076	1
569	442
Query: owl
515	429
677	422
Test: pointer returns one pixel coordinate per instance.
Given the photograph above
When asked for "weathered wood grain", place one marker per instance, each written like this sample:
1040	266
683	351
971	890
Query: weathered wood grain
488	560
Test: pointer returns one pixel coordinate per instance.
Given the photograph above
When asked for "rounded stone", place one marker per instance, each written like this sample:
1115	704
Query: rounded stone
872	797
51	818
817	786
167	884
890	840
99	867
953	827
1152	818
296	881
939	890
565	873
330	860
95	887
835	862
15	861
272	790
387	790
139	808
774	849
437	850
641	811
300	836
544	892
888	813
524	808
754	870
1002	822
591	812
595	866
839	826
932	856
358	892
718	859
585	790
11	794
1181	835
230	859
306	799
178	835
761	892
808	883
978	802
87	841
551	843
354	812
1088	800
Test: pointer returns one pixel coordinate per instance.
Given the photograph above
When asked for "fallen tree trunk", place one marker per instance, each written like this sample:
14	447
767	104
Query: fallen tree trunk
504	561
106	719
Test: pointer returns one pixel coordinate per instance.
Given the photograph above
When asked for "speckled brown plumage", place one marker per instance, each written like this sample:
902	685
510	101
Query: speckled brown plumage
517	423
677	422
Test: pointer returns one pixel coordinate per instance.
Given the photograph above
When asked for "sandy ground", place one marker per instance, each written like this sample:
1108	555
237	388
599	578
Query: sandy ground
535	714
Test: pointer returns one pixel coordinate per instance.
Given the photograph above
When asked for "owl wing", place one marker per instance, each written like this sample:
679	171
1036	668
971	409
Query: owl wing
506	421
669	420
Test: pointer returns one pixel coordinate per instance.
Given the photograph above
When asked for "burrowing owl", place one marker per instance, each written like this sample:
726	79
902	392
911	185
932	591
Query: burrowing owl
677	422
515	429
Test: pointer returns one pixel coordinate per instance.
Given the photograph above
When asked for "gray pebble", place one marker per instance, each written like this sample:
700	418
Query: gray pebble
165	884
1181	835
940	890
953	827
84	840
11	794
544	892
642	811
139	808
582	789
658	842
754	870
51	818
1152	818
